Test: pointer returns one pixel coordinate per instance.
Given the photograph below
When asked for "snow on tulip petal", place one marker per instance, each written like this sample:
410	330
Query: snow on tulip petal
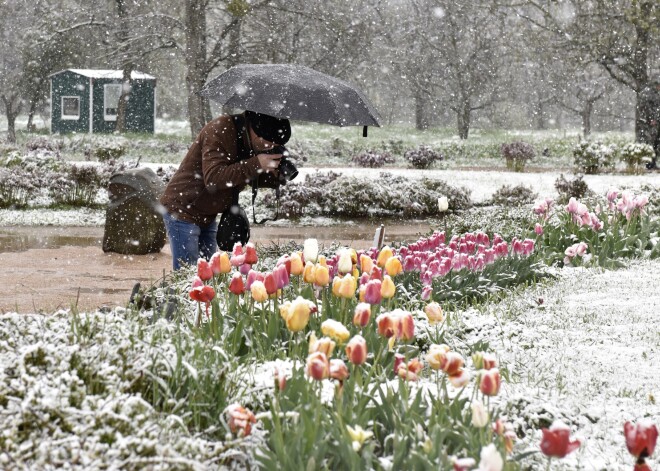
204	270
641	438
556	441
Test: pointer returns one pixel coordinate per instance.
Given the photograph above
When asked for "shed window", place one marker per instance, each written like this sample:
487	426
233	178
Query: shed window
70	107
111	94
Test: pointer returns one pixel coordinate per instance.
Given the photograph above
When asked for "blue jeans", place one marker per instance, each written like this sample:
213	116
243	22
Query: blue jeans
189	241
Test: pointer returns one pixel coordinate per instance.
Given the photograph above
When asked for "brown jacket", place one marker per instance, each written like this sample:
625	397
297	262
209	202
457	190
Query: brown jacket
202	186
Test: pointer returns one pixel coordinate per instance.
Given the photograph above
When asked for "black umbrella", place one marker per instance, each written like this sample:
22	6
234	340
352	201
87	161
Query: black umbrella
294	92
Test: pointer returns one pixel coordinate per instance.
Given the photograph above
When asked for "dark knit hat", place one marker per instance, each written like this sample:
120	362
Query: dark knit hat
277	130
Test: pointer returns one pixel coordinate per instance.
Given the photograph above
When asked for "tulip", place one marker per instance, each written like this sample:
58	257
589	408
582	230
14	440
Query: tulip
345	264
338	370
310	250
281	276
484	361
460	379
297	314
356	350
236	285
434	313
463	464
388	325
452	363
259	293
220	263
240	420
372	292
384	255
362	314
317	366
479	414
427	291
296	264
398	360
250	254
556	441
490	459
443	204
347	287
538	229
366	263
309	272
336	330
204	270
280	380
376	274
322	261
322	275
490	381
387	288
358	436
435	355
336	284
640	438
202	294
393	266
407	326
197	281
270	283
253	276
237	256
324	345
410	371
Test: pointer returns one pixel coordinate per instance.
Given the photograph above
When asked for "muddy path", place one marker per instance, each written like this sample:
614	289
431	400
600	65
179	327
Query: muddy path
44	269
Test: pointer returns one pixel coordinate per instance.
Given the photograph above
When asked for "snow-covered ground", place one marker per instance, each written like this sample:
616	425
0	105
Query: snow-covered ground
585	350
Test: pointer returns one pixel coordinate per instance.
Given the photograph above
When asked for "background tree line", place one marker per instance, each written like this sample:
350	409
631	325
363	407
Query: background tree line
486	63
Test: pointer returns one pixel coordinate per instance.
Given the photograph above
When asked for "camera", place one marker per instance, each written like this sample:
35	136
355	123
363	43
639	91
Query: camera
287	171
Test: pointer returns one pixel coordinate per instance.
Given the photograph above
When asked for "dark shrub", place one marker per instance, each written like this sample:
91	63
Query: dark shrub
423	157
517	154
514	196
372	159
571	188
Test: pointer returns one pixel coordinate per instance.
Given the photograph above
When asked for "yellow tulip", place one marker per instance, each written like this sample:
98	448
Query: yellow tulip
324	345
434	313
354	257
336	330
322	275
347	287
298	315
366	263
284	309
384	255
355	273
309	273
336	285
322	261
259	293
225	264
387	288
393	266
296	264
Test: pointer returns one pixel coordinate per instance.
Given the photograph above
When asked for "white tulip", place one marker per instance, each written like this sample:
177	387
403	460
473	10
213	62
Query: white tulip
479	414
491	460
345	264
443	204
311	250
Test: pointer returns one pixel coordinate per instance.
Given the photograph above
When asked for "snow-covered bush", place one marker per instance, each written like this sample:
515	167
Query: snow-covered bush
34	160
372	159
423	157
636	155
44	142
77	187
514	195
340	195
592	157
567	189
17	188
517	154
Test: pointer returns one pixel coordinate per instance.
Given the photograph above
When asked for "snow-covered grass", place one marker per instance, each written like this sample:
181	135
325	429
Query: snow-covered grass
584	349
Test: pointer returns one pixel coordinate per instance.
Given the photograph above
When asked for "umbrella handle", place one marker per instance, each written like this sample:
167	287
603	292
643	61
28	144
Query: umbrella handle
364	131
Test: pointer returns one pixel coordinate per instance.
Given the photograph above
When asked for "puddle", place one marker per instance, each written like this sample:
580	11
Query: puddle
361	235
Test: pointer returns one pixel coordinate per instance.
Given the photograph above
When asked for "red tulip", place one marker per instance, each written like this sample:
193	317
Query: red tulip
338	370
250	254
270	283
202	294
490	382
240	420
362	314
197	281
356	350
204	270
556	441
236	285
318	366
640	438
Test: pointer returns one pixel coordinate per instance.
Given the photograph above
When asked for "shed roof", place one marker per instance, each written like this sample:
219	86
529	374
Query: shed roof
106	73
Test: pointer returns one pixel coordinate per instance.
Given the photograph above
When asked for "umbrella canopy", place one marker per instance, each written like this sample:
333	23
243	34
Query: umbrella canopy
294	92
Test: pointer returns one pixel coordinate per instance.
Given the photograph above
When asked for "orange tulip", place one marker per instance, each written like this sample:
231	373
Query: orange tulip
452	363
324	345
366	263
338	370
409	371
240	420
490	381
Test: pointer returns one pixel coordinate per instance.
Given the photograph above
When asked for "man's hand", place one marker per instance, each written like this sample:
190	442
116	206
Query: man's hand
269	162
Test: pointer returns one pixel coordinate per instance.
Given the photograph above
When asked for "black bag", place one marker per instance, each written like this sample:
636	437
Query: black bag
234	226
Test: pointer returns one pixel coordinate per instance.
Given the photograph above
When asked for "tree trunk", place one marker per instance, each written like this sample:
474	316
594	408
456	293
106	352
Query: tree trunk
127	68
11	112
31	110
640	70
586	118
463	116
234	53
195	58
421	111
539	115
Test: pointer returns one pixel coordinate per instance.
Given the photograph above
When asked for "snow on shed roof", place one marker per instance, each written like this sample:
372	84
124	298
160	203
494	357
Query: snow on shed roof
106	73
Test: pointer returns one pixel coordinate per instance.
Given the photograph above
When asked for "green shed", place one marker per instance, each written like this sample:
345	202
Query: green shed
86	100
